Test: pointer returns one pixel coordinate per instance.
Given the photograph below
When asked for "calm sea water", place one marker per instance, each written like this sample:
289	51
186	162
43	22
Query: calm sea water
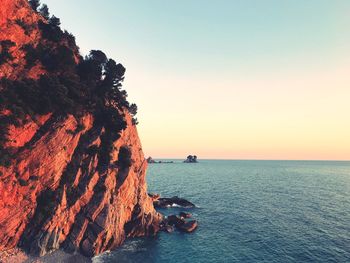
251	211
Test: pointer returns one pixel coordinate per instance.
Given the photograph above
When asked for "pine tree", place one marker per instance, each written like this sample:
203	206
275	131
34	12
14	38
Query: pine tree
44	11
34	4
54	21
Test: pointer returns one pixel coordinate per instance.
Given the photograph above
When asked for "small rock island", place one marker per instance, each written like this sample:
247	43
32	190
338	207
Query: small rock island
151	160
191	159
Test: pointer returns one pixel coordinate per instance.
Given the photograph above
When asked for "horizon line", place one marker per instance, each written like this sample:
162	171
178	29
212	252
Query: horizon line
228	159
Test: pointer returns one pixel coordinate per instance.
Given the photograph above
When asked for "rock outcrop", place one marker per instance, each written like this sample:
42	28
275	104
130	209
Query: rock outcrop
151	160
191	159
54	190
171	221
165	202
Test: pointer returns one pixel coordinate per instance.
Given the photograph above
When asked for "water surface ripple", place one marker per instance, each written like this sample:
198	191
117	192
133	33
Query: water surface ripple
251	211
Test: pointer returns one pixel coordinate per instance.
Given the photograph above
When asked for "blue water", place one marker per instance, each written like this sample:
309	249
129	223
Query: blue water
251	211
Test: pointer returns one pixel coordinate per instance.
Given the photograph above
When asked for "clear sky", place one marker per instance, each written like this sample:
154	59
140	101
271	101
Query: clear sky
233	79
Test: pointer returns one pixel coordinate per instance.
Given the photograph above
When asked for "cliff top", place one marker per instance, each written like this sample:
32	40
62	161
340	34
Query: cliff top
42	72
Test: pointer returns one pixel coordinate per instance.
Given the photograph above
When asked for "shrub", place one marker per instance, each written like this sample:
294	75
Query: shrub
34	4
50	31
34	178
5	159
31	55
23	182
44	11
70	39
124	157
54	21
5	55
135	121
133	109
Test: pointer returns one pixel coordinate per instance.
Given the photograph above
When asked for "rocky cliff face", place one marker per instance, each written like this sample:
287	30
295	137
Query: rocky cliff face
19	24
55	192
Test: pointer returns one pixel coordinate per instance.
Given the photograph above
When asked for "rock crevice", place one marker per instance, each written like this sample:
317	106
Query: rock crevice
58	189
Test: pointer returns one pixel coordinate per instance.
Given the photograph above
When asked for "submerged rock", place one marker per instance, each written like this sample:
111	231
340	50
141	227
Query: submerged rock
167	228
175	220
185	215
188	227
179	222
151	160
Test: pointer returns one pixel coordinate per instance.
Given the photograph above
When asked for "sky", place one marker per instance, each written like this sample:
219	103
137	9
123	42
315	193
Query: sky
228	79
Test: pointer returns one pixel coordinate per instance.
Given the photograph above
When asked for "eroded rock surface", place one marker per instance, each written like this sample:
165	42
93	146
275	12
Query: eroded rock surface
54	190
54	194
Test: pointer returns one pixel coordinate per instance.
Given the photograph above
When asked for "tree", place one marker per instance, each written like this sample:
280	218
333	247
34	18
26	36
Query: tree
135	121
31	55
120	71
44	11
93	85
98	56
34	4
51	31
110	73
92	67
70	39
58	59
54	21
133	109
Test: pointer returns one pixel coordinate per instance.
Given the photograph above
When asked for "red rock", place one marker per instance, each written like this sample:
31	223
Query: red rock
154	197
188	227
185	215
48	161
52	195
175	220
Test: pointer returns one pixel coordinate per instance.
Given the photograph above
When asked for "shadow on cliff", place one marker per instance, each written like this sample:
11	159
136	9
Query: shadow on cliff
31	239
35	239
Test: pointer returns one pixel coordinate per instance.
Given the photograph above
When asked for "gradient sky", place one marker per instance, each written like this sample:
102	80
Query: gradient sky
248	79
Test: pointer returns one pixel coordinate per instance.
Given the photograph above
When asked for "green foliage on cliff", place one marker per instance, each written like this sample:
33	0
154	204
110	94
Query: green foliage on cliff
27	28
124	157
5	54
71	85
44	11
34	4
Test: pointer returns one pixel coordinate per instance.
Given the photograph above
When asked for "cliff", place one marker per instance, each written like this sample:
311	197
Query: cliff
73	170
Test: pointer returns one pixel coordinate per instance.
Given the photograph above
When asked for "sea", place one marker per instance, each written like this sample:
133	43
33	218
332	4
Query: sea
250	211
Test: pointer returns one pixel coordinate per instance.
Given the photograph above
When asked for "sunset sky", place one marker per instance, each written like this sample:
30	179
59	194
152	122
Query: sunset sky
248	79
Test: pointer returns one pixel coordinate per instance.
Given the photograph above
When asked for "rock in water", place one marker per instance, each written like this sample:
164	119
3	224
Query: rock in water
175	220
72	170
188	227
164	202
154	197
191	159
150	160
185	215
179	222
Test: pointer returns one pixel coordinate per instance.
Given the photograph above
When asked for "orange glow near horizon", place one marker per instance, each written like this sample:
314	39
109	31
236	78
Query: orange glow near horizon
270	117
